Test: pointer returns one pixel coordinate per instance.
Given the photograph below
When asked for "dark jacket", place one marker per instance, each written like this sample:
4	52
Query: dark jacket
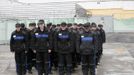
31	39
18	41
42	40
64	41
103	36
86	43
98	40
27	32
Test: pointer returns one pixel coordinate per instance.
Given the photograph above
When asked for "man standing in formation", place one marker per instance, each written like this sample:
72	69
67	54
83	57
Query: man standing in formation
63	47
18	44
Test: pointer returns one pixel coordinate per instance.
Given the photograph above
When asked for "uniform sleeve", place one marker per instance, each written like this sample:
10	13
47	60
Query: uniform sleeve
72	41
55	41
103	36
28	37
33	41
11	43
50	41
78	43
53	33
95	36
30	40
26	41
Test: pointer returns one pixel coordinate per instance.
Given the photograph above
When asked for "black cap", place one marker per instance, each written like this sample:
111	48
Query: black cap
22	25
75	24
69	24
32	24
100	25
63	24
49	24
41	22
17	25
54	25
93	25
86	25
58	24
80	24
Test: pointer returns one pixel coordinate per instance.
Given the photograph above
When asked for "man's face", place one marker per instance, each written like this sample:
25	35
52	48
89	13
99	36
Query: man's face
31	27
74	27
18	28
94	28
49	27
69	27
78	27
86	28
99	27
58	27
41	25
63	27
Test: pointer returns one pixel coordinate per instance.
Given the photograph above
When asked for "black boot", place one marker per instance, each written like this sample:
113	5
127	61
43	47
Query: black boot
85	69
69	70
61	70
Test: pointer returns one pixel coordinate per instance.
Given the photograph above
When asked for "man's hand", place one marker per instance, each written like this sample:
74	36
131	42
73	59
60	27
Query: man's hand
49	51
25	51
34	51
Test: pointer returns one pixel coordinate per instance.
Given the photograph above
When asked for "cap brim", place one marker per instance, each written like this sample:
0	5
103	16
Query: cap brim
40	23
63	25
86	26
17	26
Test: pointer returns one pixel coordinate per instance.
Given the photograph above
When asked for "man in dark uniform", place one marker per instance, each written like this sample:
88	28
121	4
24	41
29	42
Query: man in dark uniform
53	27
73	29
18	44
31	56
28	62
49	25
86	47
64	47
54	58
69	25
49	28
43	46
57	27
95	30
79	28
103	39
54	30
79	31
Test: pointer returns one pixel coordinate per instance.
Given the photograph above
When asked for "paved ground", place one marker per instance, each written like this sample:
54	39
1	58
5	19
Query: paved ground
117	60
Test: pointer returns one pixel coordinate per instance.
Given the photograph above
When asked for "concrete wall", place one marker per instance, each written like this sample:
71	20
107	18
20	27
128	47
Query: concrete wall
107	21
6	28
